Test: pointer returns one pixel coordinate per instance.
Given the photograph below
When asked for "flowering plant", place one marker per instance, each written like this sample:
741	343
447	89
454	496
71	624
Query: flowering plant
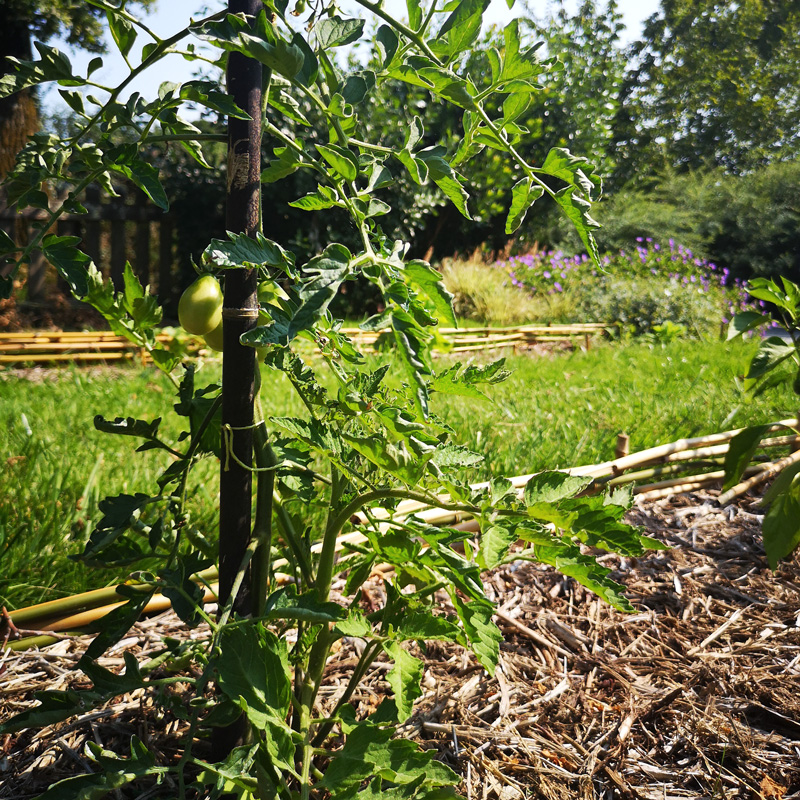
675	269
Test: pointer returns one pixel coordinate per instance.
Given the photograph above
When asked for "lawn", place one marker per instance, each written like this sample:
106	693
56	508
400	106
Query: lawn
555	411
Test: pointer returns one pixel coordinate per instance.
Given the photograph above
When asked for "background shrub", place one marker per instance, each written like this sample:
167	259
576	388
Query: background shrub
642	288
748	224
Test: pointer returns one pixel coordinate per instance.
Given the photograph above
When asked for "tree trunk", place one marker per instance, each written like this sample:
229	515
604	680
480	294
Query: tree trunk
19	114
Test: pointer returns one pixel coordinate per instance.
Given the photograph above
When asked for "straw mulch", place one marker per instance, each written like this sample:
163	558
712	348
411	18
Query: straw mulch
694	696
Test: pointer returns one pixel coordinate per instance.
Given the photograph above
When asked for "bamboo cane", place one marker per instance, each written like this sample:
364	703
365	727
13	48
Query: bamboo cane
44	357
772	469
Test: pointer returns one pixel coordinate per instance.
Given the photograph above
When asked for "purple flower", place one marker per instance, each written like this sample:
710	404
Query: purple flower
558	287
546	274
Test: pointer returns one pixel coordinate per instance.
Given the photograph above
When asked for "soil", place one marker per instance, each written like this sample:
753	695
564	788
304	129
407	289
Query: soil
693	696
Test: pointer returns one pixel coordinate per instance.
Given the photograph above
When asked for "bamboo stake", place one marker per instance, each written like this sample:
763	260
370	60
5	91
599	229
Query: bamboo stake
683	449
50	347
21	359
652	453
654	491
772	469
25	617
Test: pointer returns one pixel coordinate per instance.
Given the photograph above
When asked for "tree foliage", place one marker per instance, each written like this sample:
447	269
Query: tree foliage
712	83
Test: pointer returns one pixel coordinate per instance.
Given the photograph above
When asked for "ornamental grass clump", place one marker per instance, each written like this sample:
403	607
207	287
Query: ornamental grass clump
648	286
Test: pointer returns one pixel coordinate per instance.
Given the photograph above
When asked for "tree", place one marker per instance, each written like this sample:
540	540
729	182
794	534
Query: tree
21	20
712	84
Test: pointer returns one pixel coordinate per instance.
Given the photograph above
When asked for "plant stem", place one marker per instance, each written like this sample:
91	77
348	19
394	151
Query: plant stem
332	528
262	524
369	654
413	36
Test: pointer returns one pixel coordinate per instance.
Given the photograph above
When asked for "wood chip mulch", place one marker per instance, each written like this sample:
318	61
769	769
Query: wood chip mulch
697	695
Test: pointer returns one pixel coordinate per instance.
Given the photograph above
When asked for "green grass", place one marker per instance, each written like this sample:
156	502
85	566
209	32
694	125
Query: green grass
555	411
566	410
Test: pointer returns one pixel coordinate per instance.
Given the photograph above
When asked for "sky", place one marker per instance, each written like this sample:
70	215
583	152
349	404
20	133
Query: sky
169	16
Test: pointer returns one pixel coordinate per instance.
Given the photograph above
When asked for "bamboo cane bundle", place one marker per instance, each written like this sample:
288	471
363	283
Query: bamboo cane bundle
45	357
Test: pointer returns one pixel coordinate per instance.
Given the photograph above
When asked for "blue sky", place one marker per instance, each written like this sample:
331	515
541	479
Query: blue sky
169	17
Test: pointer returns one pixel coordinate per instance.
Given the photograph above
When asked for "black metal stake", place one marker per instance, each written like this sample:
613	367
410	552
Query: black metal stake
240	314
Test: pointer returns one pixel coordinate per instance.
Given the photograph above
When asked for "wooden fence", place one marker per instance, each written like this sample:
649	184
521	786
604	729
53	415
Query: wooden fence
116	230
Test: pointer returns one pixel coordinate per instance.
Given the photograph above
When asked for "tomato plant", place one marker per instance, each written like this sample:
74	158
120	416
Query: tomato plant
369	437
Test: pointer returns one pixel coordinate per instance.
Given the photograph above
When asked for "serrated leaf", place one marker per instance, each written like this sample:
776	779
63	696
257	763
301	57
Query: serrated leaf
285	163
114	625
450	456
145	176
72	264
341	159
386	42
417	168
460	380
122	31
515	105
244	251
423	626
337	31
575	170
447	179
53	707
115	774
460	30
517	65
356	761
414	14
495	543
316	201
568	560
253	671
235	771
314	433
319	281
208	94
52	66
483	634
423	275
112	683
523	195
128	426
412	349
185	594
552	486
395	459
283	57
404	678
118	511
577	210
286	603
355	624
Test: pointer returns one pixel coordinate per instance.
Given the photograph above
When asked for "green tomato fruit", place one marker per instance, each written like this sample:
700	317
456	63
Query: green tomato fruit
214	338
200	306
